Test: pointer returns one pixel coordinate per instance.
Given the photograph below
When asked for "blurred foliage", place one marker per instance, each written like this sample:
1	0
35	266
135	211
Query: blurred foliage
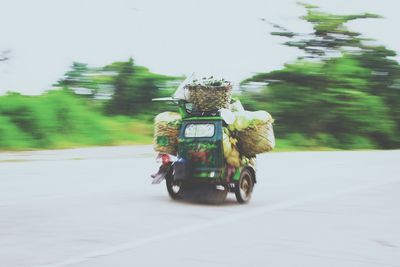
329	33
341	94
135	87
126	88
59	119
89	106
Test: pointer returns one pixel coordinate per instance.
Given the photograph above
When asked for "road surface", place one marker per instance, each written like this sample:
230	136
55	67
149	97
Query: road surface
96	207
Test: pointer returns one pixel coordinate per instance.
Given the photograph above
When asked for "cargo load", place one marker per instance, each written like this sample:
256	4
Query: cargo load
246	133
254	132
166	131
209	94
231	152
256	139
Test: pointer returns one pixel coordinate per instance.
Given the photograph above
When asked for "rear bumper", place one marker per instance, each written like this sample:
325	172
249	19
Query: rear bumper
185	172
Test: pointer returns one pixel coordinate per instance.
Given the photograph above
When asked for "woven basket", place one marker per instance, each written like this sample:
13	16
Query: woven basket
209	98
256	139
166	138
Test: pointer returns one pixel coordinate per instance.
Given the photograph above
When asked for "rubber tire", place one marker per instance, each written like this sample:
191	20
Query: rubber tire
169	182
246	180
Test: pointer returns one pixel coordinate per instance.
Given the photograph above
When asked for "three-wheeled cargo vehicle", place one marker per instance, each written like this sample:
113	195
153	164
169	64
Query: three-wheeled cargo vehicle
199	172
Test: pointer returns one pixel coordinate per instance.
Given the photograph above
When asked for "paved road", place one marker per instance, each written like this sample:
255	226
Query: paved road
96	207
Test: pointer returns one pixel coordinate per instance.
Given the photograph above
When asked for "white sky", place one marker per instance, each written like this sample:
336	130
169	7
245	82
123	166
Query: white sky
210	37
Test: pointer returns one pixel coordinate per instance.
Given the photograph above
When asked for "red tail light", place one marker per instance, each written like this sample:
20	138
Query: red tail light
165	159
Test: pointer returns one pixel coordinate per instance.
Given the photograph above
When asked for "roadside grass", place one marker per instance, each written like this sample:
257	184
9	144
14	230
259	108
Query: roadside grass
118	131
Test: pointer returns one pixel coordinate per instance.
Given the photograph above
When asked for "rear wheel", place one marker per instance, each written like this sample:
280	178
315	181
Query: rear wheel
174	188
244	188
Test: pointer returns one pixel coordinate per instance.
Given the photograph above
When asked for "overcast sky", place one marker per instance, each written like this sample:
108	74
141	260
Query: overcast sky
177	37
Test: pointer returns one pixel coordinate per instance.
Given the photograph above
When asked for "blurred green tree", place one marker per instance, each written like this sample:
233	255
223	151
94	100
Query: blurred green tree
135	87
384	81
342	89
123	88
329	37
83	80
74	76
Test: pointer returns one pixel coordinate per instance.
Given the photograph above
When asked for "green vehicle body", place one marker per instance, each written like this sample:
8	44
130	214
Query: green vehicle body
205	155
200	171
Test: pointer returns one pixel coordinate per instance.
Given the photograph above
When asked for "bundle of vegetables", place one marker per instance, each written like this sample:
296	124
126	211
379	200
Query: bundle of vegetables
231	153
166	131
248	161
209	94
254	132
256	139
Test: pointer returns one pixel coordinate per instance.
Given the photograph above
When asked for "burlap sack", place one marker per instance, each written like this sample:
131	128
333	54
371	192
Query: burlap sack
256	139
166	131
